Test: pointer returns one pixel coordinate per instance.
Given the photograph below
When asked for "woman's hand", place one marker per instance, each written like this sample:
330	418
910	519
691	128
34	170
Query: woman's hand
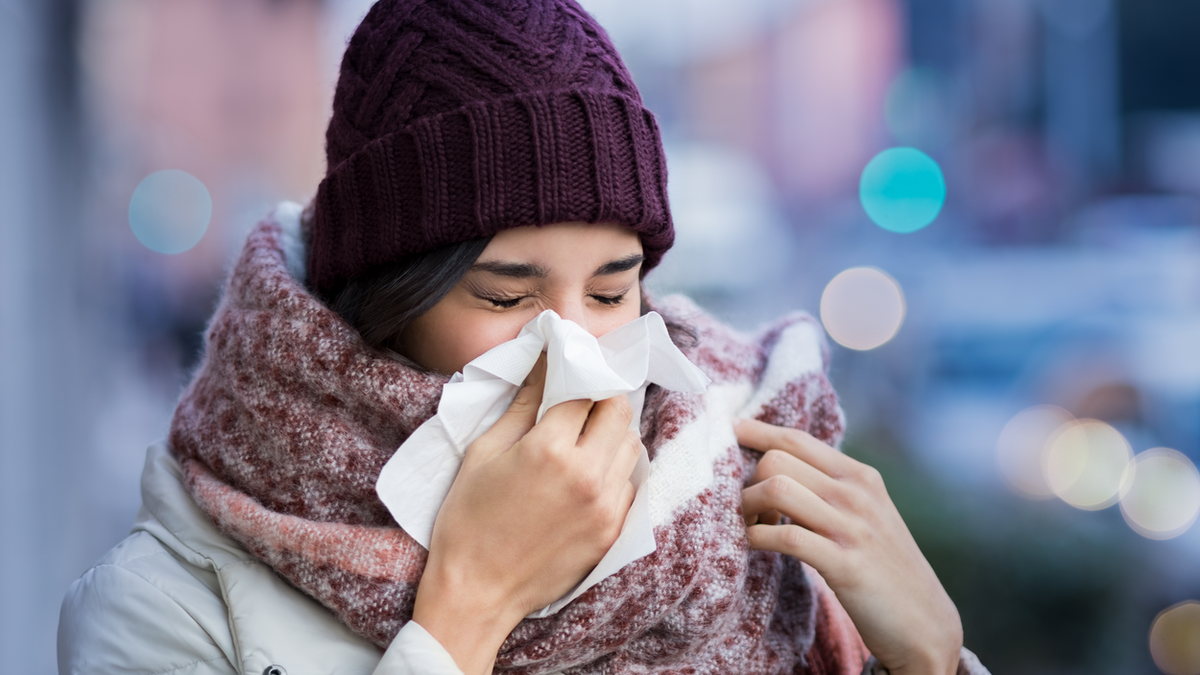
846	527
533	509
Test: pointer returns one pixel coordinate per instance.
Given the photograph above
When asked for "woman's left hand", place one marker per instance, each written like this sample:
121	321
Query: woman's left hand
845	525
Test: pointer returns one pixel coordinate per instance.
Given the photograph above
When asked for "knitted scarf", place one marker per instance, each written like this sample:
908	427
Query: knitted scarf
290	417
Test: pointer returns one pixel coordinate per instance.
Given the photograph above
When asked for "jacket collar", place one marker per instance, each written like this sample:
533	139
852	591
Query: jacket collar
271	622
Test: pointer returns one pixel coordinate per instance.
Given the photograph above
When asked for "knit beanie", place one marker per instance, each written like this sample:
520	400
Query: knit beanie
456	119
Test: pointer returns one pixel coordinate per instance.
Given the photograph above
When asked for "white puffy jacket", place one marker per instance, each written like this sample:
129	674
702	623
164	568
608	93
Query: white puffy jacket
178	597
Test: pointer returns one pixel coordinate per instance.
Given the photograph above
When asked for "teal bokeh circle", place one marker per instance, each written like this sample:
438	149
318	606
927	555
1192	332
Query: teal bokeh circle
169	211
902	189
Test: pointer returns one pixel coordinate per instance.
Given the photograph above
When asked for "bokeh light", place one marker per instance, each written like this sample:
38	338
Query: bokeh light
169	211
862	308
902	189
1087	464
1163	498
1021	449
1175	639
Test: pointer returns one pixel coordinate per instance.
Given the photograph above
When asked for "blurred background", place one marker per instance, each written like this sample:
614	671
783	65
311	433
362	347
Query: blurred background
993	206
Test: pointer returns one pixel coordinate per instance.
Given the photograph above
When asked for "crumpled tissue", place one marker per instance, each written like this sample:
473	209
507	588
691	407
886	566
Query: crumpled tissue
415	481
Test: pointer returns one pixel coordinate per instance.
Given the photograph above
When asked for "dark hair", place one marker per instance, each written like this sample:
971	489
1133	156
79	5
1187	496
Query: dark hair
383	302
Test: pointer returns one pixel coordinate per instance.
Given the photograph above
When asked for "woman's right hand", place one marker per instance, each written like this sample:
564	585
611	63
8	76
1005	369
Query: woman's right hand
533	509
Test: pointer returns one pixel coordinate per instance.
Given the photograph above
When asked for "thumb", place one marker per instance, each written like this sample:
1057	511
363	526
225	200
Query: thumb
514	423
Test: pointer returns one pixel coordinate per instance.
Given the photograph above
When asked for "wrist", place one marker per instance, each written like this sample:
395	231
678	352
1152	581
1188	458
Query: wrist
470	623
925	664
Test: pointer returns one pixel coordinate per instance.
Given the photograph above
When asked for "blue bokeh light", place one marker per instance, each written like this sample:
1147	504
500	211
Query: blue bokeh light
902	190
169	211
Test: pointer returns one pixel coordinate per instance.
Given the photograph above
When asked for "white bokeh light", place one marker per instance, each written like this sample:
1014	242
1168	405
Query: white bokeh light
1163	498
1087	463
1173	639
1021	449
862	308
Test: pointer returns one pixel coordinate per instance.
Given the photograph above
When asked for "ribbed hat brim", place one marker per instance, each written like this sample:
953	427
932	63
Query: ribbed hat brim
525	159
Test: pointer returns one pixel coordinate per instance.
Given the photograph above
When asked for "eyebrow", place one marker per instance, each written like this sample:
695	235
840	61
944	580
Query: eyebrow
620	265
531	271
511	269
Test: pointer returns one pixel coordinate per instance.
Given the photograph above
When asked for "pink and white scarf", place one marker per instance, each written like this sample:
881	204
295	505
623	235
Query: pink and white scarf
290	417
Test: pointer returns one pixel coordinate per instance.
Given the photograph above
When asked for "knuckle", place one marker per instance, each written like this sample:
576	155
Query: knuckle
535	436
842	495
535	443
777	488
857	567
792	538
604	521
546	451
523	399
857	506
869	476
771	463
622	408
612	517
527	397
634	440
588	488
874	478
483	444
854	534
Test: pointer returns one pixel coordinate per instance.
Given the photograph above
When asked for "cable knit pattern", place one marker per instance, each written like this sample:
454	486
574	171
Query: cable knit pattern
284	429
455	119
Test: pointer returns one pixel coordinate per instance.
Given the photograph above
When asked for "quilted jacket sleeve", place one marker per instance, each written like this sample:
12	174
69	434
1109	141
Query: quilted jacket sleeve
415	652
132	613
138	611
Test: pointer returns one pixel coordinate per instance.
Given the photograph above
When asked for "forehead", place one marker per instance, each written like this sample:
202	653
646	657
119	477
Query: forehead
560	241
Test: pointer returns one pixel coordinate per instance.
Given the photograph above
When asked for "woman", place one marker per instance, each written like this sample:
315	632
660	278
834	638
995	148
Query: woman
488	161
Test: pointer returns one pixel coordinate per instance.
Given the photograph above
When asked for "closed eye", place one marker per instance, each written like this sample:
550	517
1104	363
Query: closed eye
609	299
506	304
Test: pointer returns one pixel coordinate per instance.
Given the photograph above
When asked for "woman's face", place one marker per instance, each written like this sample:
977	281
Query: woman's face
587	273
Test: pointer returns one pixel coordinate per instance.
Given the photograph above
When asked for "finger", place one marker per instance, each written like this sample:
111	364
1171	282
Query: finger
565	421
623	462
766	517
796	501
515	422
607	424
537	374
624	500
763	437
627	495
782	463
797	542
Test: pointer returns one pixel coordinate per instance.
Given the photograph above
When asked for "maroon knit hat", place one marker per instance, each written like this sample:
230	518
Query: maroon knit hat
456	119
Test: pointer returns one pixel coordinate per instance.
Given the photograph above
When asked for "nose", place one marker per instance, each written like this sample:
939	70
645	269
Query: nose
573	310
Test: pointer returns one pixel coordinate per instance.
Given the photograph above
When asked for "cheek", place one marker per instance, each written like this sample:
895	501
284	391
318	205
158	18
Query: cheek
608	320
450	340
485	333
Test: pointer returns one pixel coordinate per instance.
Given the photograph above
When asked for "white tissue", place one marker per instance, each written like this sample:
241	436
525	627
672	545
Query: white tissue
414	482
